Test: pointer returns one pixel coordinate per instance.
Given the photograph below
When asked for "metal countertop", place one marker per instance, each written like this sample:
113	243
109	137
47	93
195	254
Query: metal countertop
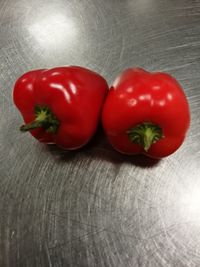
96	207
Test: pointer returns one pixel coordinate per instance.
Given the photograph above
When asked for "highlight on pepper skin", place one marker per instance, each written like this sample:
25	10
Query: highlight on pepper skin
146	113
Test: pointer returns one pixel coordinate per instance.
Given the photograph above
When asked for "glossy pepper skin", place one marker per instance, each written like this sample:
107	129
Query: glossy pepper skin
61	105
146	113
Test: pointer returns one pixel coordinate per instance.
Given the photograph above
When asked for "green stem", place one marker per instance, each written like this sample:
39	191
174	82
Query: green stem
30	126
44	118
145	134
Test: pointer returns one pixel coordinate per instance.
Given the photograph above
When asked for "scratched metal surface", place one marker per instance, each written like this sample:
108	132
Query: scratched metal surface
95	207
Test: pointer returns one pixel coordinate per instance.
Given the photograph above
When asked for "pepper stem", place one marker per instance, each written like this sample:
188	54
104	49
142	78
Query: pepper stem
44	119
30	126
145	134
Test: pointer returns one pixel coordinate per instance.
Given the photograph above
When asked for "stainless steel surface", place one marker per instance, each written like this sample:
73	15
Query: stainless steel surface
95	207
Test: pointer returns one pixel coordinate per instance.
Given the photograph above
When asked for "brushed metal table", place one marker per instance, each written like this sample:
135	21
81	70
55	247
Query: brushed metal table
96	207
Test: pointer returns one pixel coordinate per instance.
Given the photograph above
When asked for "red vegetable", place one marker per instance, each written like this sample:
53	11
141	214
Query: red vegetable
146	113
61	105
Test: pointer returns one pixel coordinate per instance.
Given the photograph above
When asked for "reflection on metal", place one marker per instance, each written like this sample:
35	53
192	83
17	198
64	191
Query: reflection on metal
190	204
50	32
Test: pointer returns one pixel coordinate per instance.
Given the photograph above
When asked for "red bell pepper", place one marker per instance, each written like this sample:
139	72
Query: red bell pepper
146	113
61	105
